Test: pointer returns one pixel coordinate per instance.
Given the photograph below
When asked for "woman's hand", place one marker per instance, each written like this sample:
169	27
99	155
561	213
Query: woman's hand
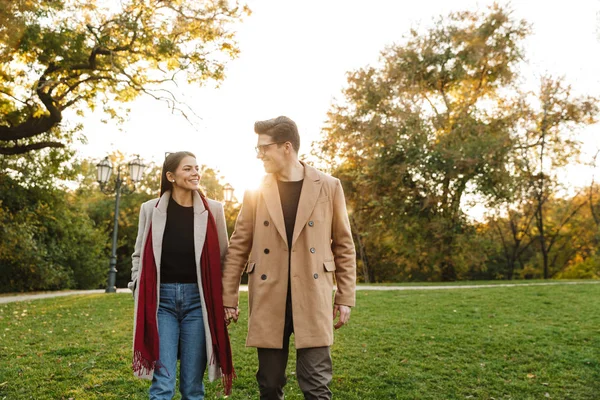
231	313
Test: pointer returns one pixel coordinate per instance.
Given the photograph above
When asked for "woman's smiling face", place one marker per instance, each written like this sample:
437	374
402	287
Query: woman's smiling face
187	175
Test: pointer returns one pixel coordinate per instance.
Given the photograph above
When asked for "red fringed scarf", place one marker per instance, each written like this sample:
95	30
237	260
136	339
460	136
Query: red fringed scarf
146	344
210	263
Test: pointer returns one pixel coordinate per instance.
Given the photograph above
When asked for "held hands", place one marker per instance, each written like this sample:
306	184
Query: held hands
231	313
344	312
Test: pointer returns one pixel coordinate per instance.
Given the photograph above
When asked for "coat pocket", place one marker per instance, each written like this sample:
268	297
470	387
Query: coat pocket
329	266
250	267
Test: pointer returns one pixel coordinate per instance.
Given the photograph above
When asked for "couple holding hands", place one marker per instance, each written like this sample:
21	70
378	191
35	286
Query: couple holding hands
292	235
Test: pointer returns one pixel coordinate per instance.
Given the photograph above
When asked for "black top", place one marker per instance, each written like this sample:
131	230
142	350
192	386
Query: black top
289	193
177	262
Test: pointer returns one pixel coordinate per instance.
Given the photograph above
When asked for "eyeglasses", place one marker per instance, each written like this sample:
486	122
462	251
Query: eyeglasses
262	148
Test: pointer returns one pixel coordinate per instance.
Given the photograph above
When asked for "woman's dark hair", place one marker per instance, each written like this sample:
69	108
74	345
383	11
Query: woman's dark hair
172	161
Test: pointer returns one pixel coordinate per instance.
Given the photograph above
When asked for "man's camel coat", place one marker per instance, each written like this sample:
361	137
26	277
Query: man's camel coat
322	247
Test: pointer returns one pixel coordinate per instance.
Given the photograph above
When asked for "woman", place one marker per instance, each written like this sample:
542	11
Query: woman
176	283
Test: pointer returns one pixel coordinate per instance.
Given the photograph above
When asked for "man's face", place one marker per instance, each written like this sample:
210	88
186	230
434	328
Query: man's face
270	153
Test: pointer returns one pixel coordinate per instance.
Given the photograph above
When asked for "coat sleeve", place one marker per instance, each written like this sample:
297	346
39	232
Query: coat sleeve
239	249
137	251
219	216
342	246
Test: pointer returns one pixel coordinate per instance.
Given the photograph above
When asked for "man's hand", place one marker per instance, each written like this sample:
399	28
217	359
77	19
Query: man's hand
344	312
231	313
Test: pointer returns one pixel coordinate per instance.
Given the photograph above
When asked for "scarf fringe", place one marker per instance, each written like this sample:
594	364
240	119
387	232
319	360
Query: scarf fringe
228	382
141	365
226	378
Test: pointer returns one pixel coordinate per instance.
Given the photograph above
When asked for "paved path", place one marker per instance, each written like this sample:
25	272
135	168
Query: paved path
25	297
244	288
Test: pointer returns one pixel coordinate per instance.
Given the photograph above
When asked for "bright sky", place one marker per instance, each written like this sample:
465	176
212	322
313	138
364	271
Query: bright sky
293	61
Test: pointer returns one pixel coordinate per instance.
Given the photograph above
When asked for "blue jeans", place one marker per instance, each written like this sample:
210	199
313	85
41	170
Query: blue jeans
181	330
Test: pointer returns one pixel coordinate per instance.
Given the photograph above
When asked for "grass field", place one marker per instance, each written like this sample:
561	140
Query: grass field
534	342
481	283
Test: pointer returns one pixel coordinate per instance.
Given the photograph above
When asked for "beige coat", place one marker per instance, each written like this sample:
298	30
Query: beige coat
322	247
158	216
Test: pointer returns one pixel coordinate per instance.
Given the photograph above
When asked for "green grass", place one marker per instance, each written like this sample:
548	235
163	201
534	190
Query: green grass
517	343
481	283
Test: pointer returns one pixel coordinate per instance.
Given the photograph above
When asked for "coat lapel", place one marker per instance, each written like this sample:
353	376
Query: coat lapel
159	221
273	203
200	225
308	198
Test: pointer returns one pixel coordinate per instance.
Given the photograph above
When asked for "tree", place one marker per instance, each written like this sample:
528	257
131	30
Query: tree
545	144
516	237
64	55
418	134
569	233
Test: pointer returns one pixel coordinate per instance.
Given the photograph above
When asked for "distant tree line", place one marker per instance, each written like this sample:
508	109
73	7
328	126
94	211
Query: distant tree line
444	121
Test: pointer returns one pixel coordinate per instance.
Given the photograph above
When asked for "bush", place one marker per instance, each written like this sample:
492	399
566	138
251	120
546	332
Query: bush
46	242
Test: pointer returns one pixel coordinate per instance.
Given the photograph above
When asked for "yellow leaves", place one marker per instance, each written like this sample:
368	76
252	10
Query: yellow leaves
172	63
38	113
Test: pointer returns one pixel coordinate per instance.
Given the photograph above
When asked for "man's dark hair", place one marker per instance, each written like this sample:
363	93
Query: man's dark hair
281	129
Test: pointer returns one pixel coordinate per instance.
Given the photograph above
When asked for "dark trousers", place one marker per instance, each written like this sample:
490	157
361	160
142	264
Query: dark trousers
313	368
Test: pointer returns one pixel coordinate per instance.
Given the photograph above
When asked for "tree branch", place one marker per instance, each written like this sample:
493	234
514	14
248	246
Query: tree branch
13	97
22	149
554	236
34	126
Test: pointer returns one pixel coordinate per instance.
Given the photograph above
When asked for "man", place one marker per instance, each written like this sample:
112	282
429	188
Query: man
293	235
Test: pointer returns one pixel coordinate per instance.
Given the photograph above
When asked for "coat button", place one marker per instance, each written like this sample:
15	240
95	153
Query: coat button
263	277
312	250
267	251
311	223
266	223
316	276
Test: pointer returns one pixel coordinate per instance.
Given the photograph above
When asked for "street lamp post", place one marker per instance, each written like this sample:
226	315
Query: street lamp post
104	171
227	193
